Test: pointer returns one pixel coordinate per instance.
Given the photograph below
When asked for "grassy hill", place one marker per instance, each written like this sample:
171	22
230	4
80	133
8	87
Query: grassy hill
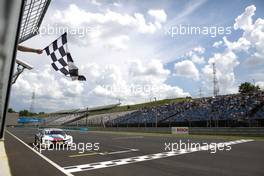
139	106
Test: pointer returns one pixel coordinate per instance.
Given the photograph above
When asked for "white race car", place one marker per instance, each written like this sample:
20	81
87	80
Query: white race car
52	136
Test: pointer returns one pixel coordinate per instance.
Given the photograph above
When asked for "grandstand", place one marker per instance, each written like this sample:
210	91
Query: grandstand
234	110
64	117
100	119
221	111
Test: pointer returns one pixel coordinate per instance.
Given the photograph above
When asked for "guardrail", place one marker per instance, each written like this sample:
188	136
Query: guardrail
245	131
133	129
242	131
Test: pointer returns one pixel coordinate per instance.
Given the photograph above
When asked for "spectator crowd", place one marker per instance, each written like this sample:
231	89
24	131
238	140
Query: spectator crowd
235	107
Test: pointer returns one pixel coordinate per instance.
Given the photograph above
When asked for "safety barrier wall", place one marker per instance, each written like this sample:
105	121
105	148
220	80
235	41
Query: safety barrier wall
244	131
133	129
253	131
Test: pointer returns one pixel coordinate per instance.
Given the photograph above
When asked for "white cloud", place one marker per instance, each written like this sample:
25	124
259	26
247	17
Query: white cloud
114	37
244	21
225	64
118	42
197	59
76	16
51	93
167	91
153	71
252	38
241	44
256	36
186	69
217	44
195	55
104	85
143	82
96	2
260	84
196	50
199	49
159	15
117	4
254	60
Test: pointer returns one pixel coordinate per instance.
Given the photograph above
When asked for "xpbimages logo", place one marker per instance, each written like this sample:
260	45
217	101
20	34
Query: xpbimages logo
79	147
193	146
211	31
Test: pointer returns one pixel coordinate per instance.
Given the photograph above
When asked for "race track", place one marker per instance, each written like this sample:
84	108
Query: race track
131	155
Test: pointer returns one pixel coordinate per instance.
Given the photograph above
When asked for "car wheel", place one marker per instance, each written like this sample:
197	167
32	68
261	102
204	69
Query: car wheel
36	141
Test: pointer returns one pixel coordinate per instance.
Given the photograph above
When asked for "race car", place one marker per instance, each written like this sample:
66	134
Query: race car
51	136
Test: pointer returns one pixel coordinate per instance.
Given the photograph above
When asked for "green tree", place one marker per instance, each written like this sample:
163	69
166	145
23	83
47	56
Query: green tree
10	110
247	87
24	113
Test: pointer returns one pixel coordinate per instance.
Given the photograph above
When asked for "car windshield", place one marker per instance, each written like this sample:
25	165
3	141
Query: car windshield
55	132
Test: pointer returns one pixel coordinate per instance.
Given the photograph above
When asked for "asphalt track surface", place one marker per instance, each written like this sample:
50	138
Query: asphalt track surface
130	155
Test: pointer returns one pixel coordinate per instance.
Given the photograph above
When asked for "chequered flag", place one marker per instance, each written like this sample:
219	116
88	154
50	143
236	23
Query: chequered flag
61	58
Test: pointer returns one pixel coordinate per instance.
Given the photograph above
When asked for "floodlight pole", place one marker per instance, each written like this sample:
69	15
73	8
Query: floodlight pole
18	72
156	119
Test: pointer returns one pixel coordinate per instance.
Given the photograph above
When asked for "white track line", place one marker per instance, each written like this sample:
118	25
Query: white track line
118	162
42	156
119	152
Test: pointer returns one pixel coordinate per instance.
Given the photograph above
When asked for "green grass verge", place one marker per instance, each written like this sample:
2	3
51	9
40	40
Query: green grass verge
139	106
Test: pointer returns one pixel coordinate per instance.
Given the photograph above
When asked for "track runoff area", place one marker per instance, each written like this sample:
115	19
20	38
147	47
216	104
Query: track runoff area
123	154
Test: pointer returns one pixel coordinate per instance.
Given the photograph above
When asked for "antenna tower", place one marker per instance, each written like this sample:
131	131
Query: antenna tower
215	82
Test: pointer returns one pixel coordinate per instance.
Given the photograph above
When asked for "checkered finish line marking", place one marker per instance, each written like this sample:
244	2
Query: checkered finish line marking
118	162
104	153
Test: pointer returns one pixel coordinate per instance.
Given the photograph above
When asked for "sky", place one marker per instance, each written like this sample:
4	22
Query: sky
137	51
